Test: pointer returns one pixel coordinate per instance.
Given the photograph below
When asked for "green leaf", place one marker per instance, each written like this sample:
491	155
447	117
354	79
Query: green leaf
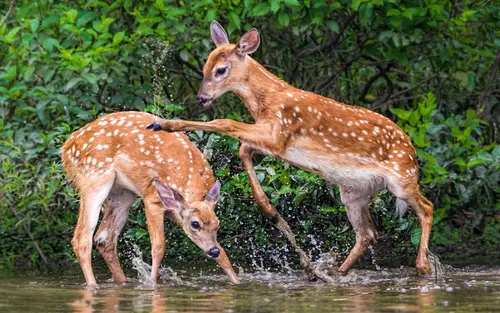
159	4
415	236
396	21
9	38
50	43
72	83
408	14
461	163
118	37
11	73
283	19
84	19
71	15
365	13
211	15
393	12
470	114
385	34
91	78
292	3
414	117
275	5
333	26
402	114
355	4
180	26
201	3
234	19
474	162
261	9
34	23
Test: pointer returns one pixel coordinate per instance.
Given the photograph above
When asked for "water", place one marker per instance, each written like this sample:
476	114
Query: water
473	289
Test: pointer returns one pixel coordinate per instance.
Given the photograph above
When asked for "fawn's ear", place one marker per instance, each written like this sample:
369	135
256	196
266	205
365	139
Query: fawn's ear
174	203
218	34
214	193
248	43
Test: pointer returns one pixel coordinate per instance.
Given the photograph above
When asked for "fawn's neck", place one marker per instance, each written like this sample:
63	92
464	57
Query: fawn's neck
257	88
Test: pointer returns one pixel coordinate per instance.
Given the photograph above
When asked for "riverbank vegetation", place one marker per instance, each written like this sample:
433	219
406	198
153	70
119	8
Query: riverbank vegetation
432	66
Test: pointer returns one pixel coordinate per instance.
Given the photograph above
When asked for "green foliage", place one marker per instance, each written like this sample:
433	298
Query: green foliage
455	162
63	63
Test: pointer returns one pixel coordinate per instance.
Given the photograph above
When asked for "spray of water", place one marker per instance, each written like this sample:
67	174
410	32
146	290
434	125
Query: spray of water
157	62
166	274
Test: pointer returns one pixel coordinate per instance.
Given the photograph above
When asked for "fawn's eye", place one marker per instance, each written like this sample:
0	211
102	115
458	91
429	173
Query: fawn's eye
221	70
195	225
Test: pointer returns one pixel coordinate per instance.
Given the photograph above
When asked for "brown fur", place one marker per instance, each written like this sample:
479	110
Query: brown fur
115	159
358	149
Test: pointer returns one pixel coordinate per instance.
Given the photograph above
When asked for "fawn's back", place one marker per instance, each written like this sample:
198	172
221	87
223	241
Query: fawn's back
121	143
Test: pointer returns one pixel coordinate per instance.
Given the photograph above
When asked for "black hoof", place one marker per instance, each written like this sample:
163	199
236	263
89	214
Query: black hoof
154	127
274	219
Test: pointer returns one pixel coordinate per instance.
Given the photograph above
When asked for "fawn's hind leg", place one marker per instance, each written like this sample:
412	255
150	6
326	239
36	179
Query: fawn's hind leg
92	195
408	191
358	212
424	209
116	209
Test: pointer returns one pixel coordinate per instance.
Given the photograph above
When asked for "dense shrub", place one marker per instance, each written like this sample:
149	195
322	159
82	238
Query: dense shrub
431	66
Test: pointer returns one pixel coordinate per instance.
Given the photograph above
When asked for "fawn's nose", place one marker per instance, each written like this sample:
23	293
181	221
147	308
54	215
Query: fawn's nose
214	252
200	100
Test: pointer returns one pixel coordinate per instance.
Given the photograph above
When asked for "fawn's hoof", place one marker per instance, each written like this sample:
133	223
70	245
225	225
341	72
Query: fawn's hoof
424	270
154	127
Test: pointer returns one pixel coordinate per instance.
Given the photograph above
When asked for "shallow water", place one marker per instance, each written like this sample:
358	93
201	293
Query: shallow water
474	289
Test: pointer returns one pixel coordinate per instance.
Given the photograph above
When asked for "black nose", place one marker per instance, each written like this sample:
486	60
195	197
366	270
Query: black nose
200	100
214	252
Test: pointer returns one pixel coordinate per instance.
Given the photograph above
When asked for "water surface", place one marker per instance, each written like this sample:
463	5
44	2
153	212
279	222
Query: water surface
473	289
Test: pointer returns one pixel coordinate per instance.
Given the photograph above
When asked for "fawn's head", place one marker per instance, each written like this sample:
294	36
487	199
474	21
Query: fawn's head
199	222
197	219
225	69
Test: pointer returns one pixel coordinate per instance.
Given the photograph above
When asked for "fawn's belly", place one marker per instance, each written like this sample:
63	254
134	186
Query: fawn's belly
335	169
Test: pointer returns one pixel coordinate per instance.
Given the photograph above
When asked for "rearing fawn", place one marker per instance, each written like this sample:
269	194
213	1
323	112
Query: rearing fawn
361	151
115	159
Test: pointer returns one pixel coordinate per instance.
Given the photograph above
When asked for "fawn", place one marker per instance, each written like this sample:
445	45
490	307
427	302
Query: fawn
112	161
357	149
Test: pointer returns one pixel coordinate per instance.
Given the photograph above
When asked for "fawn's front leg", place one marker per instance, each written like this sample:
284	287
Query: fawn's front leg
246	152
261	136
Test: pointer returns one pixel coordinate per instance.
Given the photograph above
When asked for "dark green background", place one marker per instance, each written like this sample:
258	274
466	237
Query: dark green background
432	66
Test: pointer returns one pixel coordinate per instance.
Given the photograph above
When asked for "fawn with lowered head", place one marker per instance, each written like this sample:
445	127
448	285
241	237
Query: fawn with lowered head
361	151
112	161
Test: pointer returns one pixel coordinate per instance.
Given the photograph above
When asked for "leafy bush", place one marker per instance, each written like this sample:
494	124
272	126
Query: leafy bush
432	65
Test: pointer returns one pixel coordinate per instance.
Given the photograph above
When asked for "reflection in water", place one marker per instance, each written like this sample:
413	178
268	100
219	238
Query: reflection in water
153	301
360	291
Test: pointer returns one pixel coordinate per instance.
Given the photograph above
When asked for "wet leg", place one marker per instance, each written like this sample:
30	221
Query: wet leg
424	209
154	217
358	212
91	199
246	152
116	209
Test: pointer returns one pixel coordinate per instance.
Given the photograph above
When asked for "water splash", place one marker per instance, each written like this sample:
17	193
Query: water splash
157	61
165	274
374	261
436	266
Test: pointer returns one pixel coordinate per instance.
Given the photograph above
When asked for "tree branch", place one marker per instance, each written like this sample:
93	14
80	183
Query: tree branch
8	12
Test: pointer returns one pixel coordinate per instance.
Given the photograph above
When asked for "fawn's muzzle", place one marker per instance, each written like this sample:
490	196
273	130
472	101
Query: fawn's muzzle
203	99
214	252
200	100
